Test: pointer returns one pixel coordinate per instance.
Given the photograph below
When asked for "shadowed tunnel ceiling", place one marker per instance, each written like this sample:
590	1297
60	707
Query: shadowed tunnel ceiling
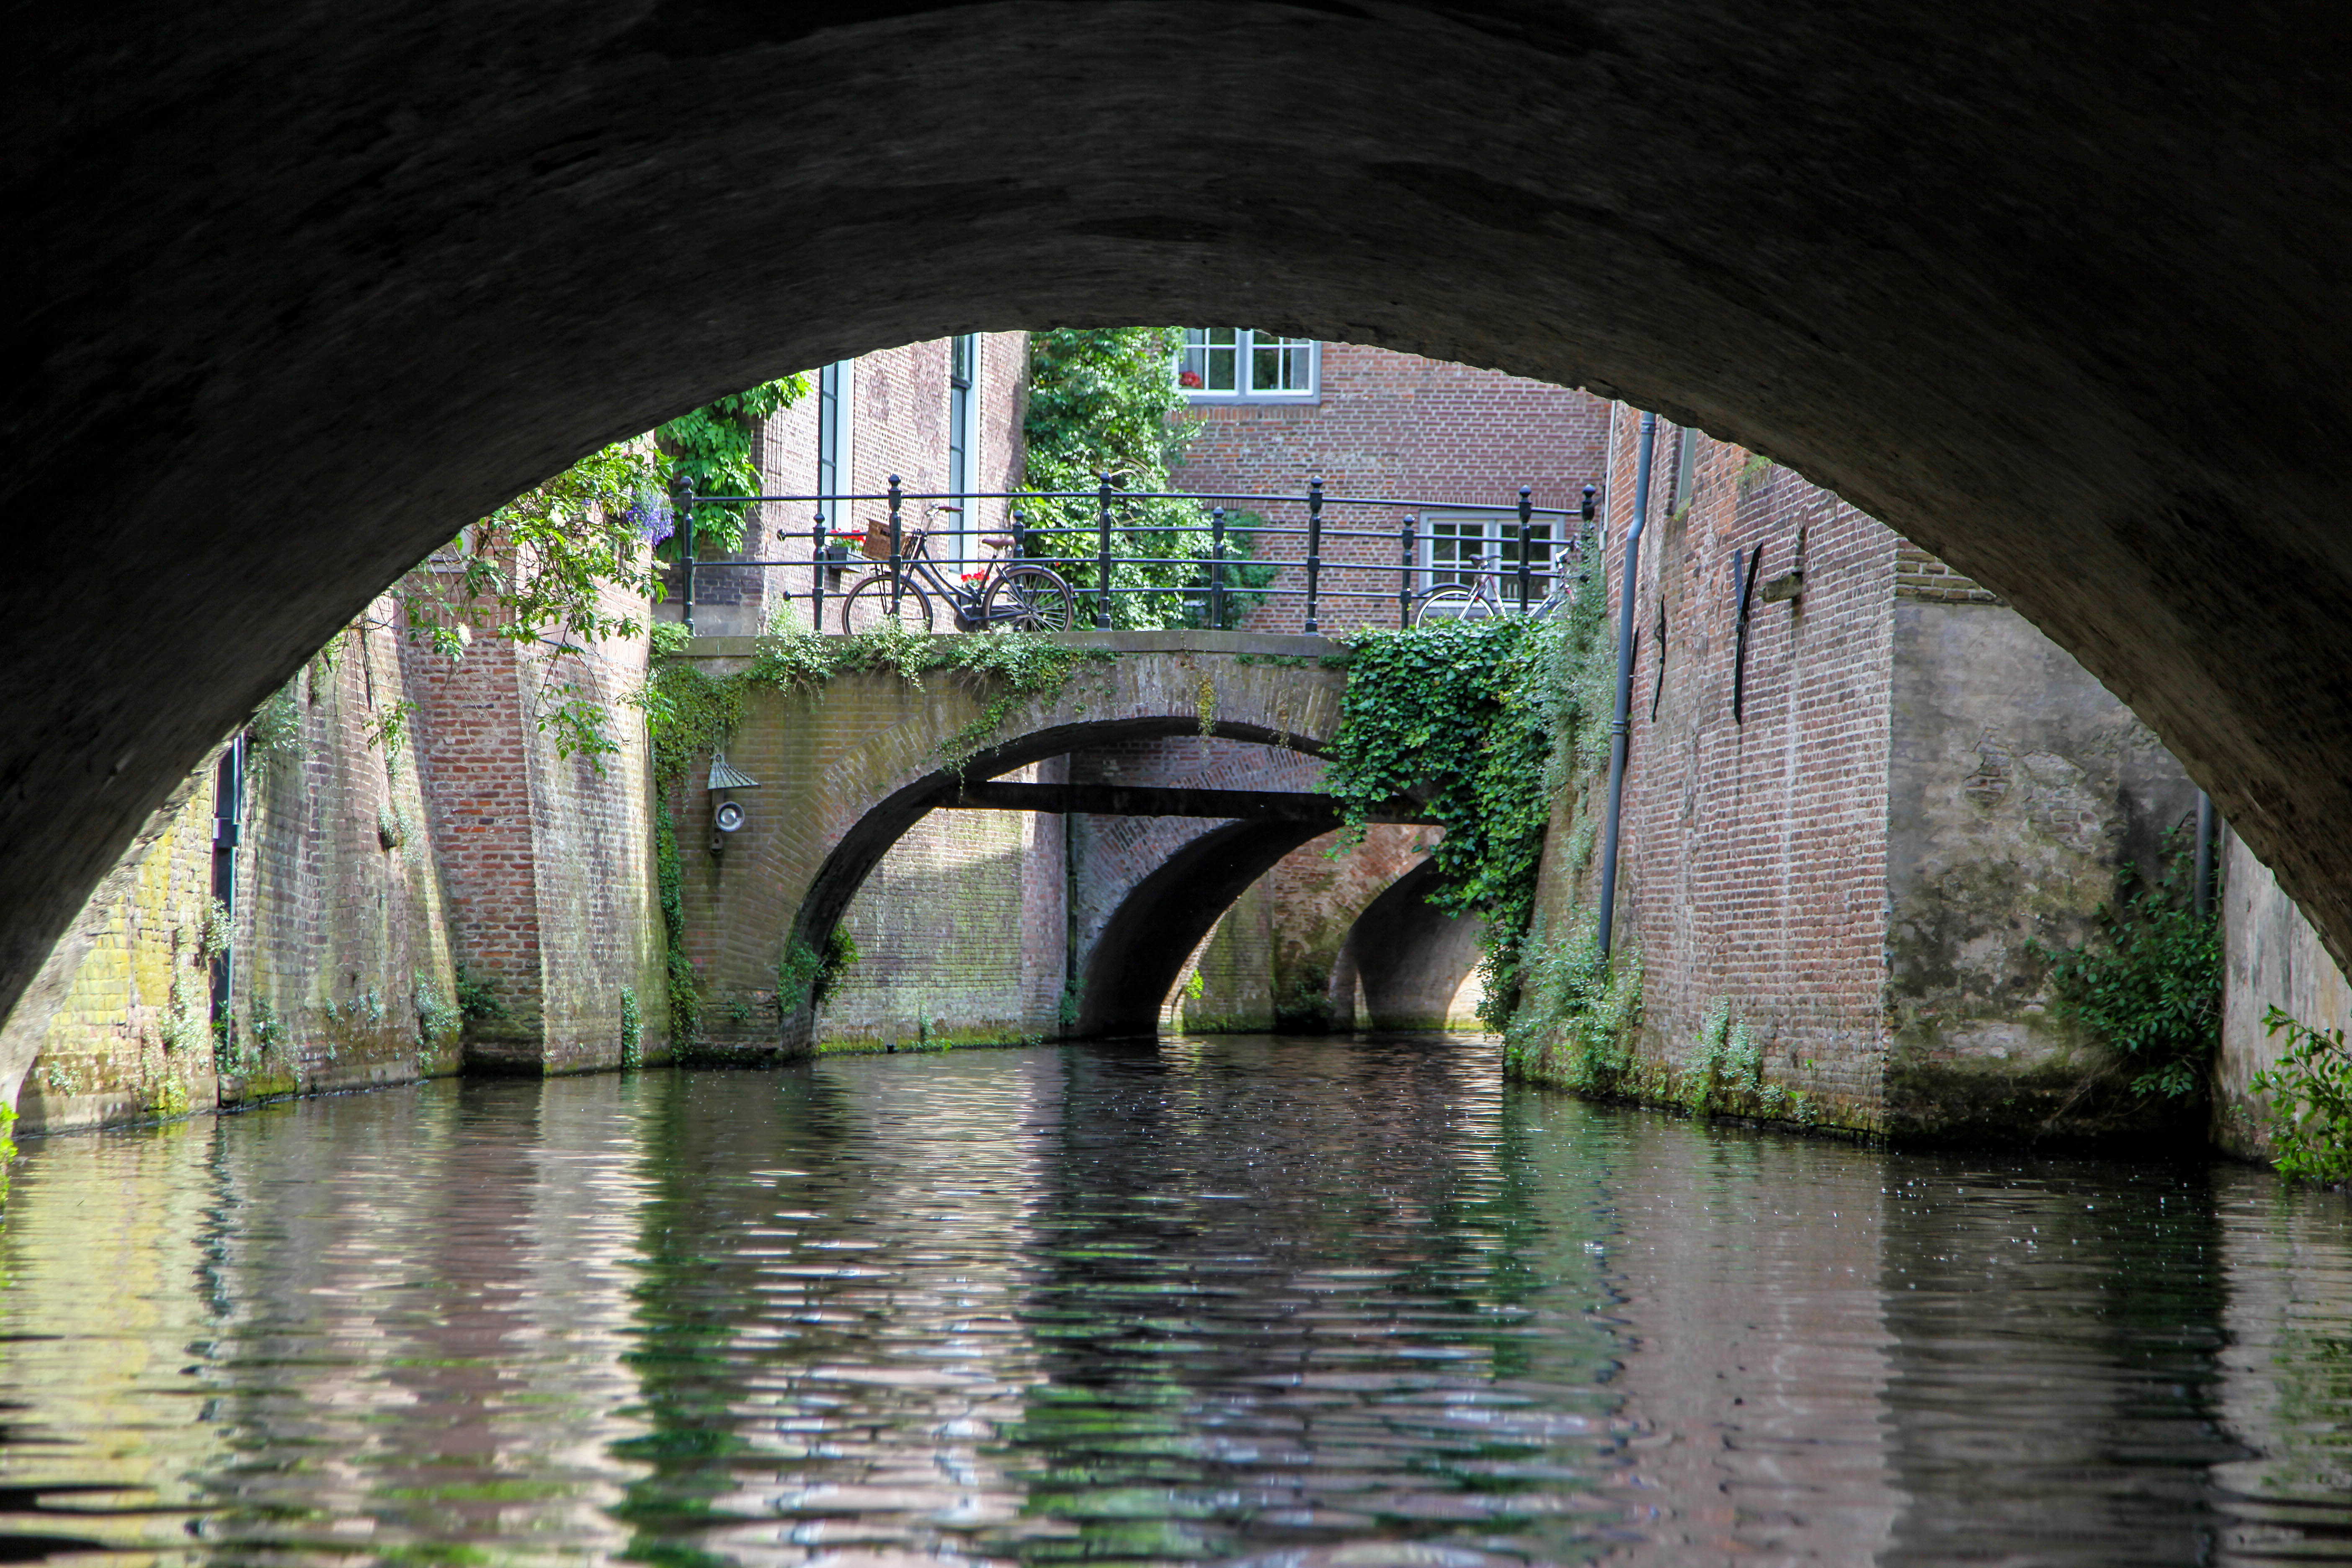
2057	290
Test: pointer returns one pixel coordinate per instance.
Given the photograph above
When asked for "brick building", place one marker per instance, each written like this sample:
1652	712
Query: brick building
1456	440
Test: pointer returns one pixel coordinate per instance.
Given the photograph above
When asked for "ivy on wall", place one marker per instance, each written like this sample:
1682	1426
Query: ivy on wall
2306	1099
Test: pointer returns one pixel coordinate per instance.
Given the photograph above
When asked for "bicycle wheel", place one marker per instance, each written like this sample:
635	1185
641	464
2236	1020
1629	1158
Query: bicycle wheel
1455	603
1031	599
871	599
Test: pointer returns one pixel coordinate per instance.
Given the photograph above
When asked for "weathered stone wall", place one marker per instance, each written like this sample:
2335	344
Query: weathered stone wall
2272	958
2019	790
108	1053
1389	424
341	965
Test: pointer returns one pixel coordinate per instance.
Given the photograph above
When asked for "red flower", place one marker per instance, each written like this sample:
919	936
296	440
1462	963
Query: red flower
1188	378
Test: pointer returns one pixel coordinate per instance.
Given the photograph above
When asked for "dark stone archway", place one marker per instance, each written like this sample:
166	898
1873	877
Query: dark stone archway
2055	291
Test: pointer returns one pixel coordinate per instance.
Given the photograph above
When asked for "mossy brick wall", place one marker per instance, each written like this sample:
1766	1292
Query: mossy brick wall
867	744
1754	866
1389	424
939	927
340	913
547	860
337	930
1917	787
103	1056
900	426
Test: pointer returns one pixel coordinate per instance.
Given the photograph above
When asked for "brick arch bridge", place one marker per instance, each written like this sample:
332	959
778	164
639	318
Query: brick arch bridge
2054	291
844	771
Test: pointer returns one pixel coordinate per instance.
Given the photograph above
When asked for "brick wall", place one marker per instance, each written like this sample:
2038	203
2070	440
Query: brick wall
547	860
899	426
1390	424
1754	868
337	933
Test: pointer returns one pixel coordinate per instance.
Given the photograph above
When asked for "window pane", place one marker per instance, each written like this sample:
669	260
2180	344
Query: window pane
1211	361
1539	560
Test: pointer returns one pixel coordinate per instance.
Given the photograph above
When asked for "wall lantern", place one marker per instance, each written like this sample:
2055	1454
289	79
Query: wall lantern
726	814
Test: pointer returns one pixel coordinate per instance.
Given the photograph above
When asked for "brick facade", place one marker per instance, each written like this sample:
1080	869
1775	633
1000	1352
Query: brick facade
1851	837
1391	425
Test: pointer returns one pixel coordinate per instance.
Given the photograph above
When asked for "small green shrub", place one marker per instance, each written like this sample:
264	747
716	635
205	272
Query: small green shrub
477	999
633	1030
2309	1096
437	1019
2148	982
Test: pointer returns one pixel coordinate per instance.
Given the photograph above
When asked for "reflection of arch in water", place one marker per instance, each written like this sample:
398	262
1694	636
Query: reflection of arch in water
1408	964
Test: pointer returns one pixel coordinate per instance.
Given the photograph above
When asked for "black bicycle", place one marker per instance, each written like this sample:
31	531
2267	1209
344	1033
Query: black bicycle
1010	596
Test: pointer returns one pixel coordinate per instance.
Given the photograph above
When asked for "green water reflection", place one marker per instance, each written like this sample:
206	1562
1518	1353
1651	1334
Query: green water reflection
1316	1303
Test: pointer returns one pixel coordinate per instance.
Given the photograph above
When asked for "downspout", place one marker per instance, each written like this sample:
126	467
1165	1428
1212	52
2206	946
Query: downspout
1621	725
2203	895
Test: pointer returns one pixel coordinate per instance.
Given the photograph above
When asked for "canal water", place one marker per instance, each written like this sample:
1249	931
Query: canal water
1293	1303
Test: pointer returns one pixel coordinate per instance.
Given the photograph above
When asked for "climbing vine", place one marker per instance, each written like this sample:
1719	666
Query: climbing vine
2148	982
714	450
2307	1100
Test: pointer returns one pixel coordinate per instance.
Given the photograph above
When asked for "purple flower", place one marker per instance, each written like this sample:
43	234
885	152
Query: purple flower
651	515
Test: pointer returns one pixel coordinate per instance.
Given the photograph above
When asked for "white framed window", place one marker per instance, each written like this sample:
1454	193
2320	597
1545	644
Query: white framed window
1227	364
836	420
1479	550
963	445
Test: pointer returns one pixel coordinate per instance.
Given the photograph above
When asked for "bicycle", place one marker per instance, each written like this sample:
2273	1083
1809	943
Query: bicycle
1016	595
1478	601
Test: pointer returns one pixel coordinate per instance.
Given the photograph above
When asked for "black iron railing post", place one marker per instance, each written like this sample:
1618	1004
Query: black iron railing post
1217	570
1404	574
897	550
1102	556
1526	543
1019	538
682	492
819	554
1587	535
1314	546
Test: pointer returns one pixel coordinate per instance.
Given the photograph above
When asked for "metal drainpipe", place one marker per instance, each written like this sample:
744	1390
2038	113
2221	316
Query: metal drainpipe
1621	725
2206	839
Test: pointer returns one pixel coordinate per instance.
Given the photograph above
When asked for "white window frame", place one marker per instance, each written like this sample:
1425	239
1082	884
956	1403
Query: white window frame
837	438
1243	347
1498	547
963	444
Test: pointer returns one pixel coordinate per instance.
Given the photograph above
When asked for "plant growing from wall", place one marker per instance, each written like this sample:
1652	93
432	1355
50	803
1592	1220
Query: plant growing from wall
2306	1101
2148	982
633	1031
1104	401
714	451
438	1020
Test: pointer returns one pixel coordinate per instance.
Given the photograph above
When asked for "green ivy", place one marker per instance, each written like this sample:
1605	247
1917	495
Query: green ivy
1485	721
2308	1102
2148	982
714	450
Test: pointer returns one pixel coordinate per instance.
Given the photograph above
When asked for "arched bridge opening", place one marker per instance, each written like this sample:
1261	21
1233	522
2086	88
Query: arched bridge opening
2054	297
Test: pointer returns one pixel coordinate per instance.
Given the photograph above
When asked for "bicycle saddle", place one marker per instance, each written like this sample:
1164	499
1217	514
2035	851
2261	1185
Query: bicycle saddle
996	540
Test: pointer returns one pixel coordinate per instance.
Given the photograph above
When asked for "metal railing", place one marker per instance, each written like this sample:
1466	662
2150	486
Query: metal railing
1211	588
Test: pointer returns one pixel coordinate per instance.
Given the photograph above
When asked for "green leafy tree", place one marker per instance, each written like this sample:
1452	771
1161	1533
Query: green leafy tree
1106	402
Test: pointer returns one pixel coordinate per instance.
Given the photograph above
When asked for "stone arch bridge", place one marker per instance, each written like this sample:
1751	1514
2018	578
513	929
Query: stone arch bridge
845	769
